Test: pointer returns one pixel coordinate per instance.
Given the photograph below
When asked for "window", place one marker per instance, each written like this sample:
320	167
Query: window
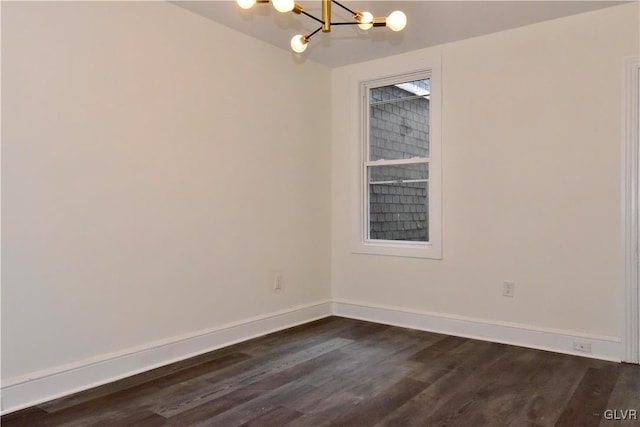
400	166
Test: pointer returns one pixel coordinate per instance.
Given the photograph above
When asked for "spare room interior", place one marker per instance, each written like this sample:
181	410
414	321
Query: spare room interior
178	182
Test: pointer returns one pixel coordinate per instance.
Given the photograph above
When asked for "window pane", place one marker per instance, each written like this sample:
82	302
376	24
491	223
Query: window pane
399	121
398	202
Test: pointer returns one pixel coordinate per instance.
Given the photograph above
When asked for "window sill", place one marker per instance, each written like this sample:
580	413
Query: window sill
398	249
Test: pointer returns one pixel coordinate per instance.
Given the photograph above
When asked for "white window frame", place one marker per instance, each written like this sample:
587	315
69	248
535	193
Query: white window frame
394	74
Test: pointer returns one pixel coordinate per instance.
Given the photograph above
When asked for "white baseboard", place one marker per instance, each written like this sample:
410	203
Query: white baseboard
42	386
556	340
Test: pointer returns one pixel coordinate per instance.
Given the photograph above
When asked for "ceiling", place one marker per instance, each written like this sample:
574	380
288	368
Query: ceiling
429	23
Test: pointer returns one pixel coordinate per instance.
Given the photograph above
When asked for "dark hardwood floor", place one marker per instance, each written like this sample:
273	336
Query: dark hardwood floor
343	372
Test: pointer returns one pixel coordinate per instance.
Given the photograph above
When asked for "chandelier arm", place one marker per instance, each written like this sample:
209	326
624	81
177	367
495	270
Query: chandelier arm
345	23
312	17
311	34
344	7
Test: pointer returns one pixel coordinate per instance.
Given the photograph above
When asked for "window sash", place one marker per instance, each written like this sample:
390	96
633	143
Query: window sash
367	200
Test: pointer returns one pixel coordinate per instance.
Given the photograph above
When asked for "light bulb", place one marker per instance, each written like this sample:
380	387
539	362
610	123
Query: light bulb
366	21
397	21
246	4
284	5
299	43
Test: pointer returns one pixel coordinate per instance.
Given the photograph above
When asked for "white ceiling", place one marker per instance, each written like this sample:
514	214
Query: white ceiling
429	23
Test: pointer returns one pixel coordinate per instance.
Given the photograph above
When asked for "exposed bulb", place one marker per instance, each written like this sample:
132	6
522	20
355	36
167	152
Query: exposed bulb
366	21
246	4
397	21
283	5
299	43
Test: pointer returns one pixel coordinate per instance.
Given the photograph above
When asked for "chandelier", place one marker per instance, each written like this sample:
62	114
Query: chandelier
396	21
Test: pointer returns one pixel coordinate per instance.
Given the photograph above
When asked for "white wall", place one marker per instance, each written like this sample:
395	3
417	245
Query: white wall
531	180
157	168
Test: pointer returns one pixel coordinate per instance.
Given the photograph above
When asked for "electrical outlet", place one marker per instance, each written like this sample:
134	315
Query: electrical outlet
508	288
277	281
584	347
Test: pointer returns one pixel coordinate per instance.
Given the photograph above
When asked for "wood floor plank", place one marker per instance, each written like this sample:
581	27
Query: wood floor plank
372	410
276	417
465	358
110	408
500	395
25	417
297	337
556	382
220	358
625	397
339	397
444	346
587	404
370	360
142	418
251	409
206	409
362	330
244	376
446	385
